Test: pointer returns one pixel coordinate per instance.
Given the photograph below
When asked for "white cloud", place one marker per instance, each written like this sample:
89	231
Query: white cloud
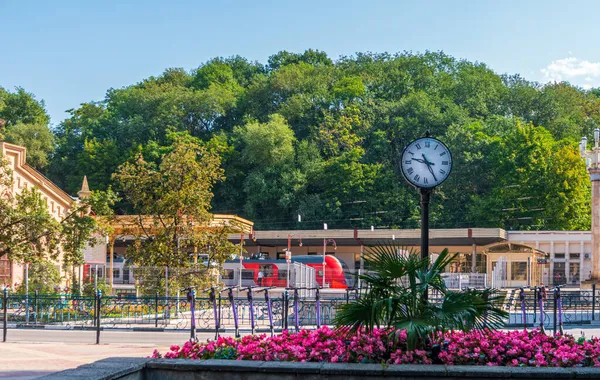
578	72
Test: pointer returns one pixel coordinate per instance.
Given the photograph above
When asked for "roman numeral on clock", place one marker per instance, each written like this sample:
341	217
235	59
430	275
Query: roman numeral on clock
417	177
427	144
425	181
444	162
418	146
410	170
408	162
442	154
442	171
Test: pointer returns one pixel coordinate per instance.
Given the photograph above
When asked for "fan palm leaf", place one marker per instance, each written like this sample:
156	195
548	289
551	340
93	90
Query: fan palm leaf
399	283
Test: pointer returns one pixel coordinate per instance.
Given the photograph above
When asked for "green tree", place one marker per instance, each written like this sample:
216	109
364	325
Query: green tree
172	200
24	121
21	107
37	138
270	144
534	181
44	277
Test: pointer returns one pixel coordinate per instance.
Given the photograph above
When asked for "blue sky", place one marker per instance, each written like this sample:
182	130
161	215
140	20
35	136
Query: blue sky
69	52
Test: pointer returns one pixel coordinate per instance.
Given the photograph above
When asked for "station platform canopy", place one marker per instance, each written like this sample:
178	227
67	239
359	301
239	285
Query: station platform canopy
367	237
126	227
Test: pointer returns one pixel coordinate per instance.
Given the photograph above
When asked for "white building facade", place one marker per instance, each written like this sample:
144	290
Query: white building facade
569	254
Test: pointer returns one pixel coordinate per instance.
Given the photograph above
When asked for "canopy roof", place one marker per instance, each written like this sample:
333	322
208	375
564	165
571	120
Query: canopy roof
356	237
506	247
126	226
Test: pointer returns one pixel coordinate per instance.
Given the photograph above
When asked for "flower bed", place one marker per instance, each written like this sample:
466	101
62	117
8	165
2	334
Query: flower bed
492	348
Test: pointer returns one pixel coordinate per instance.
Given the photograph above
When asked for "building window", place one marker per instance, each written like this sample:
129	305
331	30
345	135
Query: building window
574	272
116	273
280	255
494	265
4	270
558	275
574	256
518	271
356	261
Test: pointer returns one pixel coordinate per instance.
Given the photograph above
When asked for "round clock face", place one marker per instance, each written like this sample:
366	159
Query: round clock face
426	162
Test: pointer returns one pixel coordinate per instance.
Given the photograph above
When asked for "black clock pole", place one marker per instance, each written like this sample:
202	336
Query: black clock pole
425	193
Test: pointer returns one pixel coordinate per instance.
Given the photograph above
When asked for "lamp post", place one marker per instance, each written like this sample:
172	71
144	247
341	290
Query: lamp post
288	254
325	242
592	160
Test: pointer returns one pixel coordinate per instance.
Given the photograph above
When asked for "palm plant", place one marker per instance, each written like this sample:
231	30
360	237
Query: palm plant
404	292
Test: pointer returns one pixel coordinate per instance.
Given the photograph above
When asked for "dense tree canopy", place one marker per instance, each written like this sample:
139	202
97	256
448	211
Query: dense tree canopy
305	134
24	121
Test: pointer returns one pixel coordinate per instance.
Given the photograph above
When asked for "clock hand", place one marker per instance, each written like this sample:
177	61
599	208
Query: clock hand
431	171
425	160
419	160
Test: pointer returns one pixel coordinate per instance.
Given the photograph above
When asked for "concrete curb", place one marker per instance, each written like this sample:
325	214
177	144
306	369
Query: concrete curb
154	369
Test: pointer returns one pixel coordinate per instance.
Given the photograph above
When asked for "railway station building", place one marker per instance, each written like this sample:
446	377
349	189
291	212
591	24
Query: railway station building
486	256
515	258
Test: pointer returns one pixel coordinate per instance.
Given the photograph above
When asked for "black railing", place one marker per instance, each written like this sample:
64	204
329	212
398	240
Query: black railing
256	310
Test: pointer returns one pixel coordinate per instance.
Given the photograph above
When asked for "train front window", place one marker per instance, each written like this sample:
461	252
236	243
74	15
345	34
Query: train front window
347	275
229	274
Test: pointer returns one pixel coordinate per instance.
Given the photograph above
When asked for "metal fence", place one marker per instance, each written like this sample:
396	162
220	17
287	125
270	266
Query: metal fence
260	309
230	308
465	280
552	308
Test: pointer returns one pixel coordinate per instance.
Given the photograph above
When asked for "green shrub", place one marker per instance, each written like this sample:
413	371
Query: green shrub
43	277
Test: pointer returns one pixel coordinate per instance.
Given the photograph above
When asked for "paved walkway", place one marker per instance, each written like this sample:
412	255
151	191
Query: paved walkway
31	360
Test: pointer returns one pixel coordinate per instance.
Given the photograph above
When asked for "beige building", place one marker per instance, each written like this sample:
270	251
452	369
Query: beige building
25	177
569	254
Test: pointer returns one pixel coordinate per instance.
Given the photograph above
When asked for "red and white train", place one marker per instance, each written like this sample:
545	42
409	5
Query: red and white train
275	271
